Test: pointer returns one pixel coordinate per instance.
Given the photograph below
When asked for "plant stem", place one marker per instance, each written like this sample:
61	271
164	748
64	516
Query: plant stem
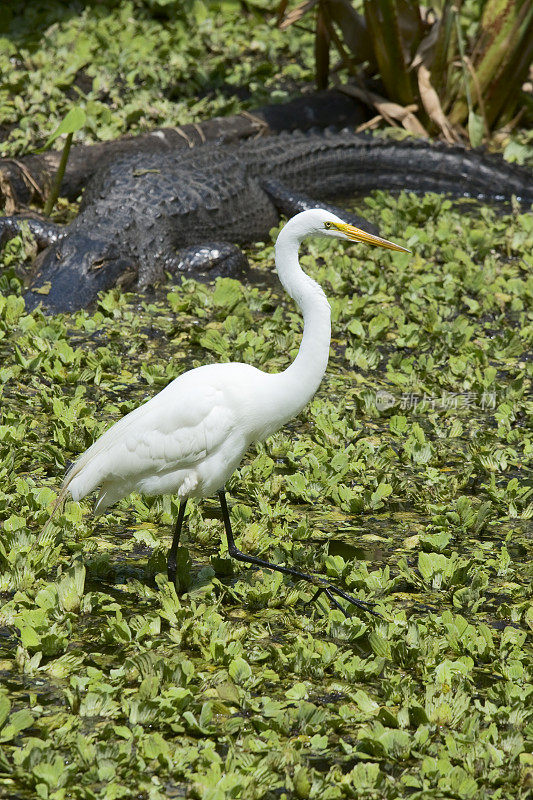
460	44
54	191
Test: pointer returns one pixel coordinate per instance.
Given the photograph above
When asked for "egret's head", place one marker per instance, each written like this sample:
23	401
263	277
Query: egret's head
319	222
341	230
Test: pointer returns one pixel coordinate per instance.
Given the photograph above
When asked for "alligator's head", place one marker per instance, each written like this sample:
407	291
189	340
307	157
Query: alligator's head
70	273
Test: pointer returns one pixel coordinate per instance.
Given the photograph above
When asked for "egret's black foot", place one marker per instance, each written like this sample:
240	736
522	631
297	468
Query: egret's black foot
330	591
327	588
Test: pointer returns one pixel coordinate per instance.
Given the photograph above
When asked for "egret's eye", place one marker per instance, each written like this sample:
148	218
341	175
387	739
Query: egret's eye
328	225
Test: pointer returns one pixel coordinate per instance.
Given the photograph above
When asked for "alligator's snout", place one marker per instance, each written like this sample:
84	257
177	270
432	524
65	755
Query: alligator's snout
70	273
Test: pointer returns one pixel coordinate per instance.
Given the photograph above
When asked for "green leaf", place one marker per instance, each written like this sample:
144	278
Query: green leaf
398	424
228	293
50	772
155	746
447	669
29	637
436	542
298	691
366	703
5	707
377	325
74	121
382	490
70	588
476	129
355	327
240	671
18	721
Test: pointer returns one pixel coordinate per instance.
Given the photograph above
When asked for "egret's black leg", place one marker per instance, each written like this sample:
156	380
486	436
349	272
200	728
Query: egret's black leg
171	559
326	587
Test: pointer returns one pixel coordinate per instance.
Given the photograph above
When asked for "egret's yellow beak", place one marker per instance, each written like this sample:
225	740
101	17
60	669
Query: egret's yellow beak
357	235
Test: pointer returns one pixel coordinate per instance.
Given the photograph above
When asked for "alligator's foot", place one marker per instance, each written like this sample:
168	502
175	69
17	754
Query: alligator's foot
44	232
290	203
209	260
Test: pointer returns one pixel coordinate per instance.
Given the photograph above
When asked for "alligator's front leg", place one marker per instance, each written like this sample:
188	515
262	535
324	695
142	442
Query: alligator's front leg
44	231
289	203
212	259
201	261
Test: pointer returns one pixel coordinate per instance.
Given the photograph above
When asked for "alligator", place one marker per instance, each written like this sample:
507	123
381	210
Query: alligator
188	212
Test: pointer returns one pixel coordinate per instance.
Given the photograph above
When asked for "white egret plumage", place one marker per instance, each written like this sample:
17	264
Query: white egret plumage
189	438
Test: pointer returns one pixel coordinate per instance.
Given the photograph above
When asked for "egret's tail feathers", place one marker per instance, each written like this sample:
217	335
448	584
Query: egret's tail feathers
60	501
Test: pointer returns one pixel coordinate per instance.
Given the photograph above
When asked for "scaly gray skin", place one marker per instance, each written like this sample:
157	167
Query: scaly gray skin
138	214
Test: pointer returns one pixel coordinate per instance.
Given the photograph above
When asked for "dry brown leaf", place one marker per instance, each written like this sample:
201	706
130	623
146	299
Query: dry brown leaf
370	124
391	112
424	53
6	194
297	13
431	103
6	190
282	7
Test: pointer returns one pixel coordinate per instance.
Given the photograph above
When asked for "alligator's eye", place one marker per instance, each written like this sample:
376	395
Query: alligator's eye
328	225
99	262
59	255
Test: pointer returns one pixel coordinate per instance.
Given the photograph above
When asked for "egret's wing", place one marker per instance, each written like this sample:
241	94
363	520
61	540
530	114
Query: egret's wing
174	430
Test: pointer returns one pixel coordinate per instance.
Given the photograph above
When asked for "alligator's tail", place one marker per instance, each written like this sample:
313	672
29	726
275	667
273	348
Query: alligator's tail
333	165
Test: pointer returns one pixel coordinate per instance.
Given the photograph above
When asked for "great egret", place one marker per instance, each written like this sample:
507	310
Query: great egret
189	438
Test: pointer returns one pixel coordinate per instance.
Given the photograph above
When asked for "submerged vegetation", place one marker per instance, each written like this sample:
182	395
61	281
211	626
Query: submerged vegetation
404	481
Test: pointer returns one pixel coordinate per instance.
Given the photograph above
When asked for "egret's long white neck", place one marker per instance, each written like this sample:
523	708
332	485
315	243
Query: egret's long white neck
302	379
